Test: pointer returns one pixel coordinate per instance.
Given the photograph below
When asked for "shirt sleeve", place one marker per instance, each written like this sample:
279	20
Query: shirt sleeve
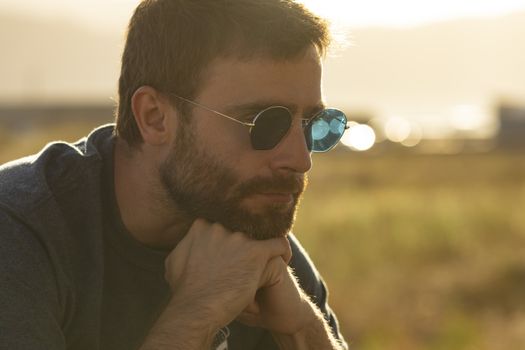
29	301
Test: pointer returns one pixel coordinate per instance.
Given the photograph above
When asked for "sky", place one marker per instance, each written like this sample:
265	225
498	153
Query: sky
365	67
359	13
354	13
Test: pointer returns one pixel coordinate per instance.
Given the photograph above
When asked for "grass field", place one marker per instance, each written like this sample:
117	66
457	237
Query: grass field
419	252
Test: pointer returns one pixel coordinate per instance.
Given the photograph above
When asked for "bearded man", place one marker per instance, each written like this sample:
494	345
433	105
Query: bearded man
171	229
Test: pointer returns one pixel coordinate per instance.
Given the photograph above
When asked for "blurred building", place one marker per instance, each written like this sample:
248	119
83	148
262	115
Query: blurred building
512	127
20	118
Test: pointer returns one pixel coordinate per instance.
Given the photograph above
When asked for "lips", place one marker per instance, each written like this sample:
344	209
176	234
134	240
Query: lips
279	189
279	197
289	188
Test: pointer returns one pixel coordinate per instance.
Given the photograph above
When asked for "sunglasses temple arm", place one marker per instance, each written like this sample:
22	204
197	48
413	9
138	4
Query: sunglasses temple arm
213	111
225	116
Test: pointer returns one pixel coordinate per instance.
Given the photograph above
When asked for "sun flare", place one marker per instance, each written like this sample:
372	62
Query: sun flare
407	12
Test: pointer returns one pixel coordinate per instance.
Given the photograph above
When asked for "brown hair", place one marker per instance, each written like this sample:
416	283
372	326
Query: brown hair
171	42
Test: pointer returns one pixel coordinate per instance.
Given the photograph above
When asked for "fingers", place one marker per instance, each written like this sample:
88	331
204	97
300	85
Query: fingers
249	319
176	261
250	316
277	247
252	308
288	256
273	272
210	254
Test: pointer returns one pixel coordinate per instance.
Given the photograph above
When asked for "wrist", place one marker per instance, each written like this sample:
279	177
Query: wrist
201	308
182	325
197	313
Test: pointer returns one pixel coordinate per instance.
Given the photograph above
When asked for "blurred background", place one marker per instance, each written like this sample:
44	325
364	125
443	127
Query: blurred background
416	221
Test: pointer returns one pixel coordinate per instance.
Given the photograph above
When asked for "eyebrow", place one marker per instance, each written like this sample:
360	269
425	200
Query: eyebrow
254	107
312	111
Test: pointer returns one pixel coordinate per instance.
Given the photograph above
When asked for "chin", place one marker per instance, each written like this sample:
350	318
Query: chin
272	222
256	206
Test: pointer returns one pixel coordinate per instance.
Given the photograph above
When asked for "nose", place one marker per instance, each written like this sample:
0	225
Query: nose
292	154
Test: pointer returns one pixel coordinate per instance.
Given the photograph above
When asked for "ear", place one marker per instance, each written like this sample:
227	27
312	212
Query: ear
150	110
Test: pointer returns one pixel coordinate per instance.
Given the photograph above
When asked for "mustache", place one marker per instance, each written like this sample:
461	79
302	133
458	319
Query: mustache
295	184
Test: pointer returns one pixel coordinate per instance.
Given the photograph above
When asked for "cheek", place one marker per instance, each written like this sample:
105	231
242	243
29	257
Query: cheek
229	144
219	132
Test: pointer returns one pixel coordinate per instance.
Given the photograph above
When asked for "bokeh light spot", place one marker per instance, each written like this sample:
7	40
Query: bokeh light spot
359	137
397	129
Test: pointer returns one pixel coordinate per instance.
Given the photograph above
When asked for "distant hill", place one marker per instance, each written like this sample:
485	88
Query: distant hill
418	71
45	60
426	69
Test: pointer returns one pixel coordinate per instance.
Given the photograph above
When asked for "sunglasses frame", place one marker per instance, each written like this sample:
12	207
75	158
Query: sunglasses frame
304	121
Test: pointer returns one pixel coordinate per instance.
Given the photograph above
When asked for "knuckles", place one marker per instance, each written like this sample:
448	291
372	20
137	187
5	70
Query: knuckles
233	263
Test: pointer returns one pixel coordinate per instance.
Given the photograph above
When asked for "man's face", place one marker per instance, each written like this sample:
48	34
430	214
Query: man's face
213	172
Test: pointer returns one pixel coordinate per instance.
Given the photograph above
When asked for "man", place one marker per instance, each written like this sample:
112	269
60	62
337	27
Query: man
172	230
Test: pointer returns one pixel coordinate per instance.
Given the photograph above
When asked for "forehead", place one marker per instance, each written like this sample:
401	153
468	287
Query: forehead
286	82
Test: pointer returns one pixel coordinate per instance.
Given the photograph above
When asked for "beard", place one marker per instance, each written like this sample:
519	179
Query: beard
203	187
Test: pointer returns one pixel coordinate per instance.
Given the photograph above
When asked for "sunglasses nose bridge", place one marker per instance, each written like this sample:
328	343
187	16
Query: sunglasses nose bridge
297	130
299	125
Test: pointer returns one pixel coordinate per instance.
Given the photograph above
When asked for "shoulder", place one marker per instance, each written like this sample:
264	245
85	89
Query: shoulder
49	227
305	270
31	182
33	297
313	284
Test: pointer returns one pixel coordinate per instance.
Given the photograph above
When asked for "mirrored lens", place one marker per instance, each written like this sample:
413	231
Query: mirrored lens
325	131
271	125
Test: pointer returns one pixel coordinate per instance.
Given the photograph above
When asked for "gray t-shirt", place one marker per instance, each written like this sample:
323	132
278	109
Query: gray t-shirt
71	277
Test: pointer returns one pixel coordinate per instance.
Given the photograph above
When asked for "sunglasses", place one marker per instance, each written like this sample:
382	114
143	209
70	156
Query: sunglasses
269	126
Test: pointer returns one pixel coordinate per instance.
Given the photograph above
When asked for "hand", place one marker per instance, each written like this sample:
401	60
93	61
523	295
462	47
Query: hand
280	305
216	273
283	308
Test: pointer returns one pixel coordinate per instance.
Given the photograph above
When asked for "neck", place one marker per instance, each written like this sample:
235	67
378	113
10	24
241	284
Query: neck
147	212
